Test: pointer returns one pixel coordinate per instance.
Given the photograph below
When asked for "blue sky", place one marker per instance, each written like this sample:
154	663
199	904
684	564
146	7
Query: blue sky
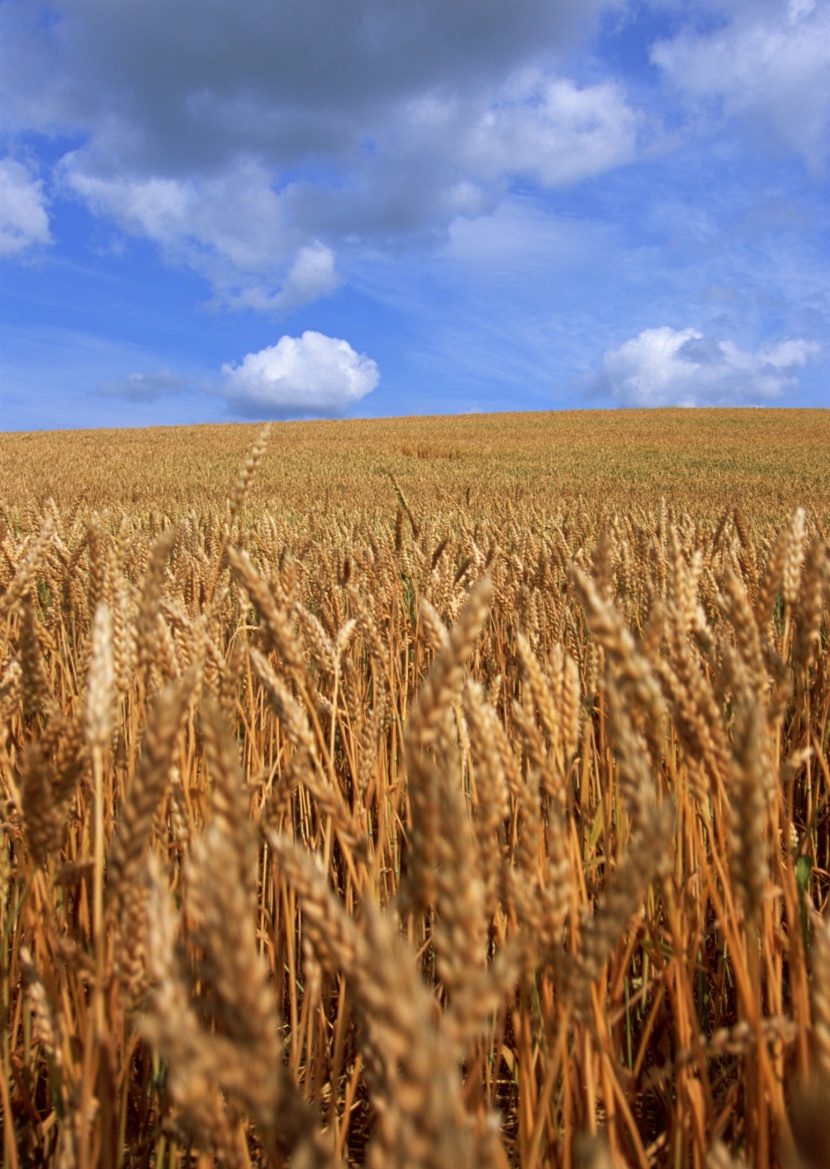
320	208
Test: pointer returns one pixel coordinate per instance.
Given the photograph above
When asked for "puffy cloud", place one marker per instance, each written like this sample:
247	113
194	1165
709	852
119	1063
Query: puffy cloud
548	129
231	228
252	145
143	387
23	217
154	207
234	218
769	64
681	367
260	238
308	376
312	275
192	87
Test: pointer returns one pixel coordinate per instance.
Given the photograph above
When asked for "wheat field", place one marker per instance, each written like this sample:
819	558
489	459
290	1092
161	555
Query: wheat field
422	793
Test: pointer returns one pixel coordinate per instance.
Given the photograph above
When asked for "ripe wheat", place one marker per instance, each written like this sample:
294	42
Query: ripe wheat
422	826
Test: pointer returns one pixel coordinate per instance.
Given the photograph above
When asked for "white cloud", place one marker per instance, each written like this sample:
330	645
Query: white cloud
308	376
143	387
769	65
681	367
548	129
232	229
157	208
225	226
312	275
23	217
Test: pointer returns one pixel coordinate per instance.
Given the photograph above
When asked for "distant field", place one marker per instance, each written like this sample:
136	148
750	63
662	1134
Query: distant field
759	459
417	794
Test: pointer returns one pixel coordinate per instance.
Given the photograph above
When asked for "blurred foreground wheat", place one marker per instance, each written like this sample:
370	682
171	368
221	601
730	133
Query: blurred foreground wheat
414	839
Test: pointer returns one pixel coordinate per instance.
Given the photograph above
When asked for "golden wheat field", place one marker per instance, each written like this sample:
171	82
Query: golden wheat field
417	794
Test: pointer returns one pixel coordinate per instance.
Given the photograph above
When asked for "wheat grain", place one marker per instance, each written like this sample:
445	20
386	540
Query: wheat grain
437	873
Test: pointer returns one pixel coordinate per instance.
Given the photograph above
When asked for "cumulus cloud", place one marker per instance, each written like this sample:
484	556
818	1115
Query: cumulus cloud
23	217
252	149
681	367
233	218
143	387
173	84
231	227
260	238
312	275
311	376
770	65
549	129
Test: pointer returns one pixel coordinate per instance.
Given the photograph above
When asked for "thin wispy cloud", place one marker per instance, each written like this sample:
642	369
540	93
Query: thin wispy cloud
143	387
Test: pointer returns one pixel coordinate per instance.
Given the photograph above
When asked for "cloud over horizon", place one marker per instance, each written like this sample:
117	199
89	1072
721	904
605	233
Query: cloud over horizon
311	376
681	367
